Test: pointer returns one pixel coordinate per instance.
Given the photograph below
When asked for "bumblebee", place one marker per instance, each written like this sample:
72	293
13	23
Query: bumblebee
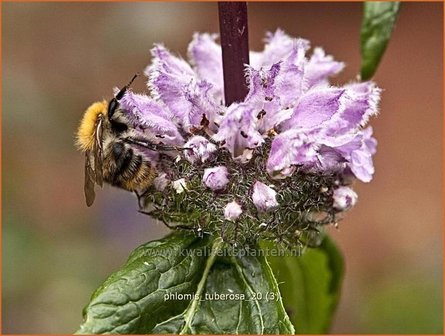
114	151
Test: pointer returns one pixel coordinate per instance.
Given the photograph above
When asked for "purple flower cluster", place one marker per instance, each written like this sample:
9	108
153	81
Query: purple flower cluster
309	124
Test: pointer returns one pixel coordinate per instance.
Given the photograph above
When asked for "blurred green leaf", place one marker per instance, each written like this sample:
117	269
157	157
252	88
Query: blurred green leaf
133	299
310	285
406	303
378	22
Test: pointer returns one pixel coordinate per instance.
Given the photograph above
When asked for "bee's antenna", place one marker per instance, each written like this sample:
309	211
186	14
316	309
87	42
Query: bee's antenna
132	80
125	88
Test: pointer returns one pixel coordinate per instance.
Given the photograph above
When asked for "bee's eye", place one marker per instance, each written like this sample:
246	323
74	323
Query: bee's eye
118	126
112	107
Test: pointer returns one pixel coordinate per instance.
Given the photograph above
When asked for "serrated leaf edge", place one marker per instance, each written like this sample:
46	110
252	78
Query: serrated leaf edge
251	291
287	320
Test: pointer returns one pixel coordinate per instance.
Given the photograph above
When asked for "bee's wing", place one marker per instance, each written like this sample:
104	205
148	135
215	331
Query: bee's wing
90	195
98	152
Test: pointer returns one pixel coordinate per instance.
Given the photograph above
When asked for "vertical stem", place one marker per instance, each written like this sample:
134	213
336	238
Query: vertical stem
235	49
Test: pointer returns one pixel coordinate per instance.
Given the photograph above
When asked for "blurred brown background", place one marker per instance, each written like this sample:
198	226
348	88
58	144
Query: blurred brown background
60	57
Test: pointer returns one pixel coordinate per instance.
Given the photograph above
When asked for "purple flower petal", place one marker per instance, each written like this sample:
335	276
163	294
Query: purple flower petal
263	99
168	76
151	117
353	151
330	160
360	102
290	82
138	104
264	197
361	159
314	108
289	149
369	142
278	46
205	54
173	81
320	67
201	149
334	154
274	91
261	83
239	130
165	67
203	111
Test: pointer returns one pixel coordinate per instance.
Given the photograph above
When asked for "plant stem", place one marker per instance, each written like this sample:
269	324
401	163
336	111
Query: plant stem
235	49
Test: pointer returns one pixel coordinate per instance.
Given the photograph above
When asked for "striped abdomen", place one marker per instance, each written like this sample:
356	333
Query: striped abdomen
126	168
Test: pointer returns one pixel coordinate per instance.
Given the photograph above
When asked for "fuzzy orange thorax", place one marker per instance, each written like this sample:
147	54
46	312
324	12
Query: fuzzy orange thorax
85	133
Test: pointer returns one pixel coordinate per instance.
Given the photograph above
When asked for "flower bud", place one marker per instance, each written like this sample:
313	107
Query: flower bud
179	185
161	182
232	211
216	178
344	198
264	197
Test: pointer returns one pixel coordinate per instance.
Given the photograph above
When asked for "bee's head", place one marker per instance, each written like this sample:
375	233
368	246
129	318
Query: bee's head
85	134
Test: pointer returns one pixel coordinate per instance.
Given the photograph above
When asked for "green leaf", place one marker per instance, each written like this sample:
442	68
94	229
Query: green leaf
378	22
227	293
310	285
132	300
251	304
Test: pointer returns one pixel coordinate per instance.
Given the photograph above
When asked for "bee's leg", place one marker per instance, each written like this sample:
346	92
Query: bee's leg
172	227
166	161
145	143
141	198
